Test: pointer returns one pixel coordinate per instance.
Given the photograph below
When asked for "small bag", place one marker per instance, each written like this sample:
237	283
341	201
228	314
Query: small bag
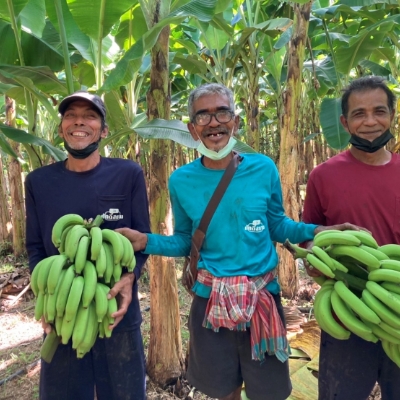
189	273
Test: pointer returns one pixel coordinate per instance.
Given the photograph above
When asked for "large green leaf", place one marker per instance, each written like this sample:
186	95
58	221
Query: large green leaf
36	51
75	36
132	60
18	5
42	77
33	17
334	133
96	17
6	148
366	3
361	46
177	131
23	137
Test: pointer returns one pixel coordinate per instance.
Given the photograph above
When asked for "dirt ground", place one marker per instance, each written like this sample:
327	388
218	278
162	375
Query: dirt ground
21	336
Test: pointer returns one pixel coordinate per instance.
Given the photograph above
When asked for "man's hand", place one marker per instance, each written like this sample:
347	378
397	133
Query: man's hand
138	239
123	288
339	227
46	326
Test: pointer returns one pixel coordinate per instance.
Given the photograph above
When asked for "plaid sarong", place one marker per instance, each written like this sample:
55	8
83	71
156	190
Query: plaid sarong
239	301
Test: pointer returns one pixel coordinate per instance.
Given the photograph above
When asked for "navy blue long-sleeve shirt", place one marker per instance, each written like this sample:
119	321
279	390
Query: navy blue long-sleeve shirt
115	189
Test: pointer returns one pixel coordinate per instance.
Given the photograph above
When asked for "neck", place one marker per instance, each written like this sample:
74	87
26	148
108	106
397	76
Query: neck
380	157
82	165
217	164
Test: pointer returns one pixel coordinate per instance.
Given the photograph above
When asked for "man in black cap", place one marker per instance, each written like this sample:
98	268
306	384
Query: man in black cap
90	185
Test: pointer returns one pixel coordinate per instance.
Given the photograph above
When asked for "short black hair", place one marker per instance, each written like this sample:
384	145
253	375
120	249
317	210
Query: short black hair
367	83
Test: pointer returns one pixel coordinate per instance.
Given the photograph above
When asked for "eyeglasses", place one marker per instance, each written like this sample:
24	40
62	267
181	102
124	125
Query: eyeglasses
222	117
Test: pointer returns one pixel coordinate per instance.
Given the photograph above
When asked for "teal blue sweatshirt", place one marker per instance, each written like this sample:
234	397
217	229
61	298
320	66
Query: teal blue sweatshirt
249	218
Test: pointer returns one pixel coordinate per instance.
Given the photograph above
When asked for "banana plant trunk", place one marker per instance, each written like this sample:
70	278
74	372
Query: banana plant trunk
289	151
252	112
16	192
5	217
164	361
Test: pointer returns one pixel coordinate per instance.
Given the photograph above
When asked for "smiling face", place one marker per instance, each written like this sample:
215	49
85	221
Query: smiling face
368	114
215	135
81	125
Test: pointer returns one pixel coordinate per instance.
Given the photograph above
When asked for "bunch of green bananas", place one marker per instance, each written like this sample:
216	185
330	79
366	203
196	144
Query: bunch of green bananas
360	289
71	288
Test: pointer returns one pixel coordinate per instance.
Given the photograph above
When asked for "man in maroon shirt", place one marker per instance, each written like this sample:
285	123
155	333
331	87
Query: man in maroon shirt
360	186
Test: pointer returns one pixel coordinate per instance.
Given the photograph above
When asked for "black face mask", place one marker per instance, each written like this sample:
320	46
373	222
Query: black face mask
82	153
370	147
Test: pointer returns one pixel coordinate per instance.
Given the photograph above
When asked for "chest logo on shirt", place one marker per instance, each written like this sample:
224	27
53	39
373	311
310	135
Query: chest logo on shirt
113	214
256	226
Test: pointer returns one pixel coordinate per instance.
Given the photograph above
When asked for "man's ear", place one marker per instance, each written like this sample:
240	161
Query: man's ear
59	131
104	132
237	123
343	121
192	131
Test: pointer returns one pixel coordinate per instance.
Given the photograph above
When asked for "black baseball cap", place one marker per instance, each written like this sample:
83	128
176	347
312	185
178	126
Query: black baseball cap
82	95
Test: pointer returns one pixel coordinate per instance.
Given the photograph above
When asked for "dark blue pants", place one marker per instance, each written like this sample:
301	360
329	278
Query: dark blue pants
349	369
114	368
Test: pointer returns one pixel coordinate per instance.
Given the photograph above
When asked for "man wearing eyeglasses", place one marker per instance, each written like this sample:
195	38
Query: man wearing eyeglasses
236	324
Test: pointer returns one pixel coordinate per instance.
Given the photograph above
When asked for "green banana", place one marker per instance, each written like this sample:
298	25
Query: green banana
101	302
324	257
391	264
340	238
296	251
72	240
90	334
101	330
358	254
61	224
339	266
320	279
34	276
117	272
52	299
381	333
132	264
106	324
112	308
55	270
49	346
109	262
43	273
353	268
116	243
64	289
384	312
356	304
324	317
352	281
391	250
80	326
128	251
365	237
67	327
46	319
395	332
320	265
349	320
74	298
97	240
58	324
81	253
64	234
386	297
391	287
101	262
90	281
39	306
375	252
387	275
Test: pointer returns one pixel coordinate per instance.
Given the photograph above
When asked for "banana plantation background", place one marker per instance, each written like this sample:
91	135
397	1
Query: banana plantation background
285	61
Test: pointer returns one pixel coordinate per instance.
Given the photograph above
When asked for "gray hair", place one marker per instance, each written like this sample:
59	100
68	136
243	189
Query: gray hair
207	90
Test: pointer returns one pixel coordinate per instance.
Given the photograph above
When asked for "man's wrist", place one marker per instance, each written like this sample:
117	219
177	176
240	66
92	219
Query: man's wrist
143	242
